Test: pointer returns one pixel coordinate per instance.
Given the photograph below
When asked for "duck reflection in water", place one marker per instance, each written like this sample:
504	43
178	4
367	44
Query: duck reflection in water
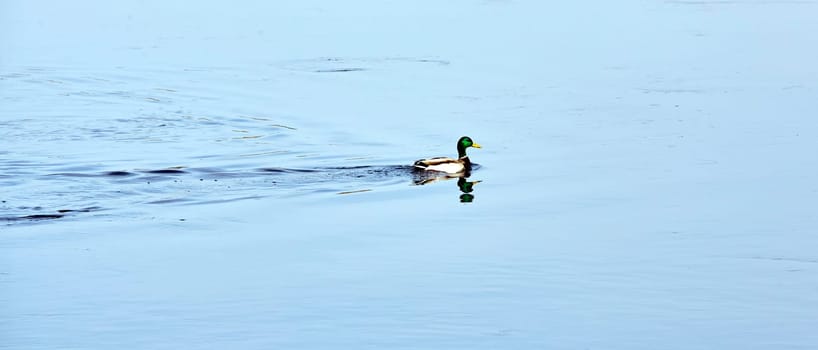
466	187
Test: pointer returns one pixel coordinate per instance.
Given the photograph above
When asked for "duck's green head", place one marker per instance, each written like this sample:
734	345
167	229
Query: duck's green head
463	143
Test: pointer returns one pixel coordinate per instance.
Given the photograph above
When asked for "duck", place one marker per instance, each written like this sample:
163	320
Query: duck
448	165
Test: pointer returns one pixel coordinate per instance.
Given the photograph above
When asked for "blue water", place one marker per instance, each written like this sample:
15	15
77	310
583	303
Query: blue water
207	175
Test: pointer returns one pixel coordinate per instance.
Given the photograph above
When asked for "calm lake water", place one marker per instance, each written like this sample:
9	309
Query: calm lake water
199	176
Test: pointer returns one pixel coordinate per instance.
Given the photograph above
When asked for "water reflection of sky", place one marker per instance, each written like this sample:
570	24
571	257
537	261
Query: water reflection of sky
236	176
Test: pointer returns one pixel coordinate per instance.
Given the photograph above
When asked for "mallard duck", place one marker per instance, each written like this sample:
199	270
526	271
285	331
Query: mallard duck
450	165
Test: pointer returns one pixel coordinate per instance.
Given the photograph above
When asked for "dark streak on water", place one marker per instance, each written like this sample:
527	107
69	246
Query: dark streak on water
339	70
119	173
166	171
130	185
38	217
365	173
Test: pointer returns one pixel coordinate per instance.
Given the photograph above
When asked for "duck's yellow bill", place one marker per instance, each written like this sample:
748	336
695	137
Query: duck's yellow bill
476	145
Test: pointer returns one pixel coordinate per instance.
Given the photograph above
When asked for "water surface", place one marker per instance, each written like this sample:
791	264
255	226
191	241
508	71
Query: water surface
177	176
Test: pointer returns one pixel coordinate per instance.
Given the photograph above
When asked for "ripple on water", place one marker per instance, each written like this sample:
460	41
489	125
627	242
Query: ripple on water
109	143
89	192
356	64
